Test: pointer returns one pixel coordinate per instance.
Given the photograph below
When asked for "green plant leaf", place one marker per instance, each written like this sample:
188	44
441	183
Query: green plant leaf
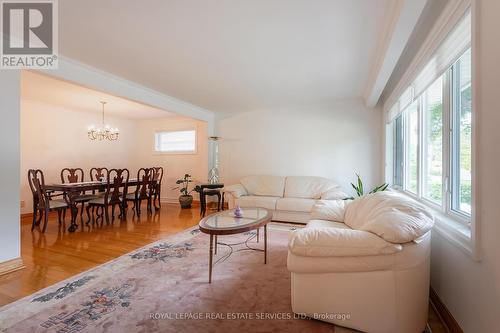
360	186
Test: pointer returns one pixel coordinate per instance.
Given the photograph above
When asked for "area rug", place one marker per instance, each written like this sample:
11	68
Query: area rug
164	287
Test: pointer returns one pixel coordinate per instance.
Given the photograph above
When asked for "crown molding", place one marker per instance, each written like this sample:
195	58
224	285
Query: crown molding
94	78
402	20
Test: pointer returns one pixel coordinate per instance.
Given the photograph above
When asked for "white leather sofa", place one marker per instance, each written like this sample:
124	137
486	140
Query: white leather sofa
290	198
364	267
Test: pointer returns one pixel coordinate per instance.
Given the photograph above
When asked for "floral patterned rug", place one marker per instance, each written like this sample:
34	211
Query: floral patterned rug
164	287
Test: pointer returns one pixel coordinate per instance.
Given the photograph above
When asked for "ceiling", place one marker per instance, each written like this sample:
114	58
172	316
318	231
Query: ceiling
230	55
42	88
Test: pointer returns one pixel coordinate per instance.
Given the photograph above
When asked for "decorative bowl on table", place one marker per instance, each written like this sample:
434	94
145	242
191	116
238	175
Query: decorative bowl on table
238	212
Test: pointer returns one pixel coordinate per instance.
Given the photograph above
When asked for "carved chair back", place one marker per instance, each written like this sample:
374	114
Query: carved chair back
98	173
115	180
37	186
157	174
145	180
72	175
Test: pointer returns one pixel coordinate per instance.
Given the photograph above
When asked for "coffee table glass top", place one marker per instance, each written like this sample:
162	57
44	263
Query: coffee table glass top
227	220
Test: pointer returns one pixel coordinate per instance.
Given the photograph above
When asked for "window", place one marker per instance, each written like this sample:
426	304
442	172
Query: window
411	171
176	141
461	135
432	168
429	163
430	129
398	151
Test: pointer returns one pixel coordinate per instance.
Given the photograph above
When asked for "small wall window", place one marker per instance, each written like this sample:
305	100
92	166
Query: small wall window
175	141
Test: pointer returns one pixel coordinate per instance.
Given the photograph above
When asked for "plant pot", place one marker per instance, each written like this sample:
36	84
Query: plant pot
186	201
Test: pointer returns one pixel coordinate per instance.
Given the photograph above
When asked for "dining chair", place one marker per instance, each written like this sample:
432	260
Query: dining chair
114	195
98	173
76	175
157	178
143	191
43	201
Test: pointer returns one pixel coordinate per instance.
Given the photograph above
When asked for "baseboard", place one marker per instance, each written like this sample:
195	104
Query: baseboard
24	215
10	266
196	203
444	314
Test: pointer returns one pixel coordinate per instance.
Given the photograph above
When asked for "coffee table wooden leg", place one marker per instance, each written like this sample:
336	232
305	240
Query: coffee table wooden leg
258	232
265	244
210	258
215	245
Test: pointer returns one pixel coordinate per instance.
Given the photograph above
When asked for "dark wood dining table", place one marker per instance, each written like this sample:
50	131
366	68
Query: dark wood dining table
73	190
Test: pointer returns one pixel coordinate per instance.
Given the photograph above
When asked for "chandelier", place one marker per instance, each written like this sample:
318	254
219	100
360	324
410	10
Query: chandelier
103	132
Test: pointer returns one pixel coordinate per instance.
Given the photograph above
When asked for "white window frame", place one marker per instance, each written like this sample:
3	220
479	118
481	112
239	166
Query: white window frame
406	141
455	225
465	236
178	152
394	167
447	171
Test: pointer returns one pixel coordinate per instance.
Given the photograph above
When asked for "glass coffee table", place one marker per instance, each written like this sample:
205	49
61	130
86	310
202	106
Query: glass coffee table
225	223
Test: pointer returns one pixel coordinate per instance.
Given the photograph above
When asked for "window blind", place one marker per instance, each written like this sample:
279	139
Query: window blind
448	52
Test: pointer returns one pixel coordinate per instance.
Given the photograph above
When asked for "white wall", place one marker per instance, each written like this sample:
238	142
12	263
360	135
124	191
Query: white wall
174	165
470	289
328	141
10	237
53	137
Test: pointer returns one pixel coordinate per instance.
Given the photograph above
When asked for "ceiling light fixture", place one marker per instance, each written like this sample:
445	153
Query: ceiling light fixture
104	132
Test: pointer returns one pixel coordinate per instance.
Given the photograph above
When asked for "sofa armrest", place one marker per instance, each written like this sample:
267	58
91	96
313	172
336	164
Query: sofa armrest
330	210
334	194
336	242
236	190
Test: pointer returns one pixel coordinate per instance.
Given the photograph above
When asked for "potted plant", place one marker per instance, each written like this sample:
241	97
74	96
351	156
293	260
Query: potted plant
360	191
185	199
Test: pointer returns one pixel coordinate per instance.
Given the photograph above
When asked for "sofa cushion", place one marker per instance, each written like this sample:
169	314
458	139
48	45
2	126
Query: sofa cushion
295	204
338	242
257	201
332	210
272	186
390	215
326	224
307	187
411	255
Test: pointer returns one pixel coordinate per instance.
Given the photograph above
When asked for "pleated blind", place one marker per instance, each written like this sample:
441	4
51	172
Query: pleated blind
448	52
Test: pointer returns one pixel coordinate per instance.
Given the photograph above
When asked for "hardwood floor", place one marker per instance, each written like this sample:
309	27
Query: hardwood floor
58	254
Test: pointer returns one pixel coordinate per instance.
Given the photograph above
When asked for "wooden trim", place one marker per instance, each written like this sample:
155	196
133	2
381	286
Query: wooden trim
444	314
10	266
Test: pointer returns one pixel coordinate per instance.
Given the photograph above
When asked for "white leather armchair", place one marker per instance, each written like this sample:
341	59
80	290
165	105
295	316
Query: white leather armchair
349	273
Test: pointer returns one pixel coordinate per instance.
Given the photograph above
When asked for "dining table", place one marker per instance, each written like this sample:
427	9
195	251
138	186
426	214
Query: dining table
73	190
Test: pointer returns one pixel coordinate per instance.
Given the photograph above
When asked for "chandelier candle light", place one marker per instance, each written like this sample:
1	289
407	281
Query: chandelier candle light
104	132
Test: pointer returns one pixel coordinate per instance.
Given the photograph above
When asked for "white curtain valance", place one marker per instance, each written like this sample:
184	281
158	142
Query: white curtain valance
448	52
